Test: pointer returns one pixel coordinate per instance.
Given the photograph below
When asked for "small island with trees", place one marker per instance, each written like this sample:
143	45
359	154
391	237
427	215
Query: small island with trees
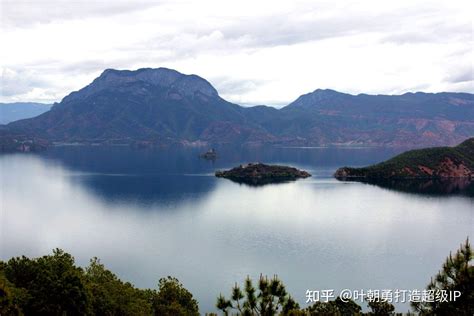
428	163
259	174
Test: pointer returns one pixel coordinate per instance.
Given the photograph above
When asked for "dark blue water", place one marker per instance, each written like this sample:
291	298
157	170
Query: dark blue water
157	212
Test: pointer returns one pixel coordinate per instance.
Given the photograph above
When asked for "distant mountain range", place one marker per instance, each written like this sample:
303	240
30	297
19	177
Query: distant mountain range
10	112
163	106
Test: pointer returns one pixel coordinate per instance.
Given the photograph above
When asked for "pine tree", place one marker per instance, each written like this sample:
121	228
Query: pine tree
457	274
271	299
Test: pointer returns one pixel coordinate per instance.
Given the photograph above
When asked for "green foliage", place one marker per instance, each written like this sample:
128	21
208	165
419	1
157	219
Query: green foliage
172	299
338	307
270	299
466	148
323	308
380	308
260	174
53	285
110	296
407	164
457	274
8	294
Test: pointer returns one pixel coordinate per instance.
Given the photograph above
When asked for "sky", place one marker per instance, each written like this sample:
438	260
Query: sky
252	52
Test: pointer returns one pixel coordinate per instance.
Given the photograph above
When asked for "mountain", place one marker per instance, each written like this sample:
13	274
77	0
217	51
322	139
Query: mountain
411	119
429	163
10	112
163	106
159	105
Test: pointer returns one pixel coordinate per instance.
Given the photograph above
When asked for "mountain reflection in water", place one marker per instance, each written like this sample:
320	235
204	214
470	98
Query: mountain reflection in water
151	213
434	187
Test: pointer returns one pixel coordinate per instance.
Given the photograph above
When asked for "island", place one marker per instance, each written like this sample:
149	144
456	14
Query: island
428	163
209	155
259	174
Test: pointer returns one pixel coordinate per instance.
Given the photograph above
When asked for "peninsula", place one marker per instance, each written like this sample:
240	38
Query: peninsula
428	163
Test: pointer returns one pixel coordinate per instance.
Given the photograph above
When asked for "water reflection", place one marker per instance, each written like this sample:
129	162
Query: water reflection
433	187
148	189
253	182
175	175
148	214
123	160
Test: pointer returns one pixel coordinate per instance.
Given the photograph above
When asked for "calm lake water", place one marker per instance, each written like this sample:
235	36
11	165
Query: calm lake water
152	213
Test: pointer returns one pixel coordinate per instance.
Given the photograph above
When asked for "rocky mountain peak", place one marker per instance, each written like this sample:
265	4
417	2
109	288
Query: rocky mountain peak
187	85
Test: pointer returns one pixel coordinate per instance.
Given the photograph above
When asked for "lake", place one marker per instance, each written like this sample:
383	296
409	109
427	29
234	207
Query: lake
156	212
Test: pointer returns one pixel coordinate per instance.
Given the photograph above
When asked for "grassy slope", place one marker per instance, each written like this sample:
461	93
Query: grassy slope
429	157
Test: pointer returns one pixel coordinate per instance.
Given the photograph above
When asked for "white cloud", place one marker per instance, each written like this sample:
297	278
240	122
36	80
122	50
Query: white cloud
265	52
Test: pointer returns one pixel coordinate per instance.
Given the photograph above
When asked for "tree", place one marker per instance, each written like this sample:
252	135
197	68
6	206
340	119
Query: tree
110	296
380	308
271	299
8	295
457	274
51	285
172	299
323	308
338	307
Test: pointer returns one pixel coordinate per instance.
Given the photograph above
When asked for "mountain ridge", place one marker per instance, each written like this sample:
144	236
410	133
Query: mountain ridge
10	112
165	106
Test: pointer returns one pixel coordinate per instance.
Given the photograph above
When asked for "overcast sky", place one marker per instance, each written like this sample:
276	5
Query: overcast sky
253	52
